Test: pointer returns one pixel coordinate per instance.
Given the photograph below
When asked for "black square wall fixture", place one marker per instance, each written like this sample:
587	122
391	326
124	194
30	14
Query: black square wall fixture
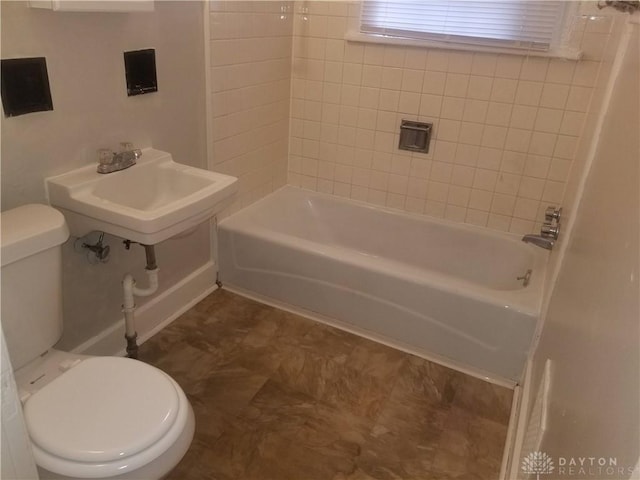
140	68
25	86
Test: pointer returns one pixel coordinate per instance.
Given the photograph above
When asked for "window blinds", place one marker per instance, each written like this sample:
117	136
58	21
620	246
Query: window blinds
507	23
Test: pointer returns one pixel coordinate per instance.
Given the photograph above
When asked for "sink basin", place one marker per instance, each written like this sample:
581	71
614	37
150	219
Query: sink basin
147	203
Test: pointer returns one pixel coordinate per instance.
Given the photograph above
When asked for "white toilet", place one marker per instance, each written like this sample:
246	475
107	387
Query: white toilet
87	417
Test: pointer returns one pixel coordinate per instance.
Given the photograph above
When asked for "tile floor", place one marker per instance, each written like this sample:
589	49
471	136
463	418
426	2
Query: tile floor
277	396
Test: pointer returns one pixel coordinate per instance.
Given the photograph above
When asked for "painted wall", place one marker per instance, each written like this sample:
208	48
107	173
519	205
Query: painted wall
92	110
250	57
506	126
592	327
587	142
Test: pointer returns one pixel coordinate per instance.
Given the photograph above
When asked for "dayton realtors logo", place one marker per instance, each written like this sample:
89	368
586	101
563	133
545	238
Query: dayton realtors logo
537	463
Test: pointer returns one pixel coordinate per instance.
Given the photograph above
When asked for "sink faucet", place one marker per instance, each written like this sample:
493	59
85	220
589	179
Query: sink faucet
108	161
549	231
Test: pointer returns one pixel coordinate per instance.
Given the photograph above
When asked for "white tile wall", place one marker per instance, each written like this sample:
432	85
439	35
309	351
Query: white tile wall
505	126
251	82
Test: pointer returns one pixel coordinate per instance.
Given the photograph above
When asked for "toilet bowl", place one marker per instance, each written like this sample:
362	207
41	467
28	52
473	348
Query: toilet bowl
87	417
103	417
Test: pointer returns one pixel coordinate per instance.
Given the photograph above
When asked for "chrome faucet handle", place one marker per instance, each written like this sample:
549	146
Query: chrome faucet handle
552	213
105	156
109	162
550	231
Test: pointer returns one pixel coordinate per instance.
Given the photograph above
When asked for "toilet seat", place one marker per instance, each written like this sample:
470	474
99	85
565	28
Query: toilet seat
104	417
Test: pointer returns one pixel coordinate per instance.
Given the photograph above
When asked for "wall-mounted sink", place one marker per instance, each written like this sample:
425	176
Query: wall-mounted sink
147	203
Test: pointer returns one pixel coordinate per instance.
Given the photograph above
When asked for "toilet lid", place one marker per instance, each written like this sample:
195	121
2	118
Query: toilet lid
103	409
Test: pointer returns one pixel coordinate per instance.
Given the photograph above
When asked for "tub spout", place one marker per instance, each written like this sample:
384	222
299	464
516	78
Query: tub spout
539	241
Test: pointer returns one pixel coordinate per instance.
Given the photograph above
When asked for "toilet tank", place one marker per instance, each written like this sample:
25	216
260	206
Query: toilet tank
31	310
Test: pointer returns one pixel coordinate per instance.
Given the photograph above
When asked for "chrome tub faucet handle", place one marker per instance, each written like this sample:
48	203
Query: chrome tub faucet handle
553	213
549	230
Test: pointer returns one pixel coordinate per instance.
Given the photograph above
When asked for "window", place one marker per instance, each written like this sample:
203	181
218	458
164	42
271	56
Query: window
515	24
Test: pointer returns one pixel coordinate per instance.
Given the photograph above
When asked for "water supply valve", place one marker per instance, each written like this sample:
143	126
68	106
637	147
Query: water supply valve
97	252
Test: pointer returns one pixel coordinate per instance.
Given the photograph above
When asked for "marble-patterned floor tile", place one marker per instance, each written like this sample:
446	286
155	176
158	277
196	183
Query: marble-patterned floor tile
227	457
328	425
301	438
276	409
272	419
377	360
185	364
330	342
186	329
278	396
278	327
361	384
356	392
470	447
420	378
298	437
305	371
398	453
484	399
229	389
280	458
423	392
339	368
211	422
268	341
357	474
404	441
193	465
262	360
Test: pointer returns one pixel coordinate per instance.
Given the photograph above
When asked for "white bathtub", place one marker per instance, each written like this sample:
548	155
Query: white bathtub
446	291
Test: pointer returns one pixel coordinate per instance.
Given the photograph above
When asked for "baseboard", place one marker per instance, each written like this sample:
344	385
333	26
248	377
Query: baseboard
156	314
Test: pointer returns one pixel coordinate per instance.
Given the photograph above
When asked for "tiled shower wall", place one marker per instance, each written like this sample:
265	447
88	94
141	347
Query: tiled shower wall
505	126
250	80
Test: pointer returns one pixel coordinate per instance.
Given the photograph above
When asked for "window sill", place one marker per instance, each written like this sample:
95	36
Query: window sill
565	53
